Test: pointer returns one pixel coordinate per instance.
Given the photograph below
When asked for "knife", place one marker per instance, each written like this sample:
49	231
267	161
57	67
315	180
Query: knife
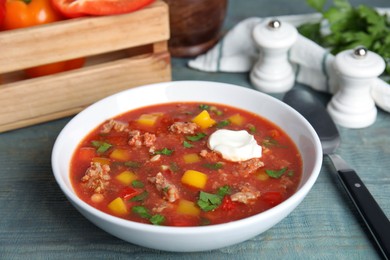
371	213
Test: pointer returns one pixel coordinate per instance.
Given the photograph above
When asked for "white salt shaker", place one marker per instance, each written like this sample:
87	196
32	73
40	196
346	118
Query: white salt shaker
352	106
272	72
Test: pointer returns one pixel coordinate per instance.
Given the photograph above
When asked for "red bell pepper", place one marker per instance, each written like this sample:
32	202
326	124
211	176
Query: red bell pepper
77	8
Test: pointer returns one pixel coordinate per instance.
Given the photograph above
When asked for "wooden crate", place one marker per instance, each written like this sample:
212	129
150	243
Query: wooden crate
123	51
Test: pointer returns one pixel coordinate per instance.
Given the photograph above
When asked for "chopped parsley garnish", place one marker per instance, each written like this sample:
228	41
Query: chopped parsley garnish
174	167
164	151
224	190
252	129
209	201
140	197
144	213
271	142
101	146
157	219
137	184
204	107
216	111
276	173
223	123
213	166
132	164
196	137
141	211
187	144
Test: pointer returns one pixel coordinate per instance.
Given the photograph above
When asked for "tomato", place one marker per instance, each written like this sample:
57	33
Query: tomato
2	12
21	14
128	193
86	154
118	140
56	67
228	204
182	220
273	198
77	8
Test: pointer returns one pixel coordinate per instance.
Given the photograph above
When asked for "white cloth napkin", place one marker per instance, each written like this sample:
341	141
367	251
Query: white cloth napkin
313	65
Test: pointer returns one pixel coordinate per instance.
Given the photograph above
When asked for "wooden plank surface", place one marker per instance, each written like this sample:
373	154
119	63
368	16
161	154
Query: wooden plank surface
38	222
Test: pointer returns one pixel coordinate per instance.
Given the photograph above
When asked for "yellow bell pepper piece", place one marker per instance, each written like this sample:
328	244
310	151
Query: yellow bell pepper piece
126	177
118	206
237	119
188	208
194	178
203	120
120	155
191	158
101	160
262	175
148	119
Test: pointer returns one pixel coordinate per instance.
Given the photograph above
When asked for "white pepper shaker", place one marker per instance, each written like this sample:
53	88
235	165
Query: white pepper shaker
352	105
272	72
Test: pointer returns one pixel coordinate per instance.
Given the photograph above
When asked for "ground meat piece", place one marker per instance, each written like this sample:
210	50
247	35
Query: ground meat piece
149	139
203	153
184	127
155	158
282	164
210	156
160	206
247	167
246	195
114	124
279	163
97	177
169	191
97	197
286	182
137	139
152	149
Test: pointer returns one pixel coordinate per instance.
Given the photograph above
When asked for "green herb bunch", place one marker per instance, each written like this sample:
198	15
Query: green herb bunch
350	27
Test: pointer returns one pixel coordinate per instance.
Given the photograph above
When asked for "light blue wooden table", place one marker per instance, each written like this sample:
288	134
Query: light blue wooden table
37	222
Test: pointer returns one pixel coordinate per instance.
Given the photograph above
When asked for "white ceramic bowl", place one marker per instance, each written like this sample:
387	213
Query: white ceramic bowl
186	239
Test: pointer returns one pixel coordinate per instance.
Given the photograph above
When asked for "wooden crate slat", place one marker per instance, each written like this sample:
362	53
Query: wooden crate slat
38	100
82	37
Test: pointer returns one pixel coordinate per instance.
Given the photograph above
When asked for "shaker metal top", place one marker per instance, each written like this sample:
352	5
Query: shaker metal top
274	24
360	52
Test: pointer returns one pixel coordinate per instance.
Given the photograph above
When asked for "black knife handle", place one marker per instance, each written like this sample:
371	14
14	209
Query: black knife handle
372	214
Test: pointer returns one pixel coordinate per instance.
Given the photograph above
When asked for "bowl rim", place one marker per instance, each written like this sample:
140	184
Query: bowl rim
299	194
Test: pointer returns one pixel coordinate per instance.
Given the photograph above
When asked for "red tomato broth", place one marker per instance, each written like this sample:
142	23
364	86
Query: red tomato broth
279	152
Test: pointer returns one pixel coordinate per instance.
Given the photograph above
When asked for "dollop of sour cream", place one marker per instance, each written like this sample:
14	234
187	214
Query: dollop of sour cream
234	146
